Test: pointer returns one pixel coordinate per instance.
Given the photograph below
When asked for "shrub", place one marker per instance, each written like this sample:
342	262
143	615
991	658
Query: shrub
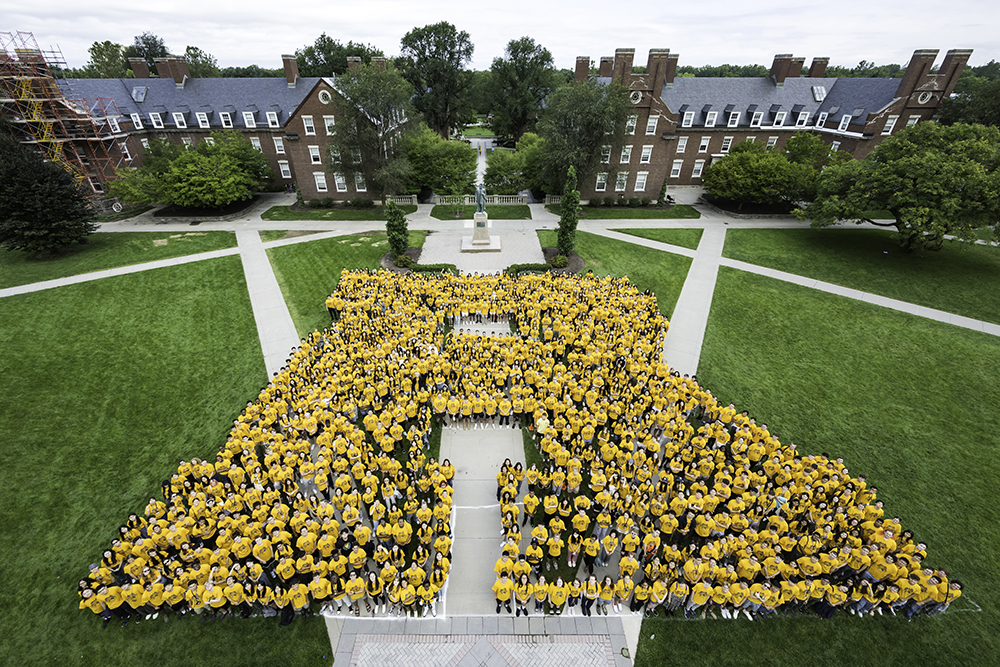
361	202
403	262
515	269
559	261
645	201
609	201
634	202
326	202
596	201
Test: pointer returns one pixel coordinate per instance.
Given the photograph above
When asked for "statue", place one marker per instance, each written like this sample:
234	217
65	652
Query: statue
480	199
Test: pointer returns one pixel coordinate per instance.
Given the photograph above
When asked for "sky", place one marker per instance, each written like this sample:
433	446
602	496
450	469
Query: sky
706	32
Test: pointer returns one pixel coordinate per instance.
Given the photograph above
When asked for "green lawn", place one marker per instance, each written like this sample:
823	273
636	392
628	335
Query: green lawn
661	272
496	212
107	385
909	402
286	213
309	271
478	132
955	279
108	250
682	211
685	238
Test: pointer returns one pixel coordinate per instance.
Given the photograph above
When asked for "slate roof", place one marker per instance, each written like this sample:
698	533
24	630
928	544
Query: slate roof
850	95
198	95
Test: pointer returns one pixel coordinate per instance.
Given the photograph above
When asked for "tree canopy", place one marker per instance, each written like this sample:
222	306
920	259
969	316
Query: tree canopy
148	47
446	167
570	214
41	207
107	61
934	179
433	60
522	79
202	65
328	57
504	172
976	100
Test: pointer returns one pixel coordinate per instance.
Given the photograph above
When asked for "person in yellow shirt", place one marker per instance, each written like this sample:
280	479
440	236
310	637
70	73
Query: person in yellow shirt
503	590
558	593
355	591
523	592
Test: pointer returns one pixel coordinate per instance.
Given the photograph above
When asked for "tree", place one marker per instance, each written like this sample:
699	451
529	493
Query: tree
531	149
977	100
250	72
522	80
202	65
433	60
375	114
504	172
809	150
396	229
752	174
328	57
934	180
446	167
577	122
41	207
570	214
148	184
148	47
107	61
481	95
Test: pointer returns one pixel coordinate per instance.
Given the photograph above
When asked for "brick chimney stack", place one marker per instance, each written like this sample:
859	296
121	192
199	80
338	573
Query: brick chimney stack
779	68
139	67
818	67
291	69
582	69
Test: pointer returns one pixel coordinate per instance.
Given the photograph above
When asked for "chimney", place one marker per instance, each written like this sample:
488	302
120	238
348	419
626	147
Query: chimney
378	62
917	69
671	74
582	69
353	62
291	69
607	62
164	68
180	70
818	68
795	69
951	68
139	67
623	64
656	69
779	68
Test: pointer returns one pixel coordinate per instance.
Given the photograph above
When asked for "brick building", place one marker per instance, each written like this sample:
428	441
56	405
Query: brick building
680	124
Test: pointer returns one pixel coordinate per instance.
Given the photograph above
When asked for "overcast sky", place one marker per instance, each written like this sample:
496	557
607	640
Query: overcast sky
707	32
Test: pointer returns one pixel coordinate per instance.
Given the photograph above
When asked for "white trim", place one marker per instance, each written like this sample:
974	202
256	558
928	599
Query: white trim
913	120
329	122
255	142
308	126
711	118
249	120
771	142
651	124
283	167
621	181
630	124
803	119
359	182
845	122
156	120
821	119
341	182
145	142
734	118
699	167
125	152
605	154
640	181
835	146
179	120
779	118
756	119
272	119
647	154
187	142
319	178
675	168
202	119
890	123
602	182
137	121
703	145
314	156
626	155
115	127
688	119
227	119
279	145
727	143
682	143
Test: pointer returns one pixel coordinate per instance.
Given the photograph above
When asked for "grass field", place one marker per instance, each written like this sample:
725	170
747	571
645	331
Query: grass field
906	401
647	269
286	213
682	211
107	385
308	271
954	279
495	212
685	238
478	132
108	250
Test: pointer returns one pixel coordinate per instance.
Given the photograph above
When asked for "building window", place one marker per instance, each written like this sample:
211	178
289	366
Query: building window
320	179
630	124
699	166
710	118
272	119
602	182
307	123
890	123
359	182
285	171
179	120
688	119
314	155
651	124
675	170
202	119
734	119
186	141
255	142
821	119
626	155
144	142
912	120
757	117
606	154
802	119
248	119
647	153
621	181
115	127
819	93
845	120
640	181
96	184
329	122
124	146
156	120
227	119
341	182
279	145
779	118
772	142
682	143
210	141
703	146
751	140
726	143
137	121
835	146
356	155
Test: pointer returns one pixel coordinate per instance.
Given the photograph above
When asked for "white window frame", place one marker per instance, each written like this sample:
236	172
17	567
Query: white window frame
727	143
145	142
187	142
279	145
703	145
255	142
249	120
803	119
819	93
779	118
356	155
845	121
771	142
272	119
651	124
626	155
688	119
314	156
319	178
621	181
835	146
734	118
202	119
913	120
156	120
711	118
209	140
340	181
359	182
675	168
647	154
756	118
329	122
890	123
821	119
285	170
227	119
605	154
96	184
699	167
751	140
602	182
179	120
125	152
630	124
309	126
115	127
682	143
640	181
137	121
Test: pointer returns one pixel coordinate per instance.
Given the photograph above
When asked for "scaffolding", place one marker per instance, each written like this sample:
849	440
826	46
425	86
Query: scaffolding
80	135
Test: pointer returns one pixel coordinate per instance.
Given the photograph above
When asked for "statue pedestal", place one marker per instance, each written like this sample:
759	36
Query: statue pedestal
480	241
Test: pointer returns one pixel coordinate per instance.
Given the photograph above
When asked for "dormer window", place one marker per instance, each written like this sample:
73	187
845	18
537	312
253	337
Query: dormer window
710	118
227	119
202	120
248	119
137	121
779	118
734	118
821	119
756	119
179	120
802	119
688	119
272	119
845	120
156	120
113	122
